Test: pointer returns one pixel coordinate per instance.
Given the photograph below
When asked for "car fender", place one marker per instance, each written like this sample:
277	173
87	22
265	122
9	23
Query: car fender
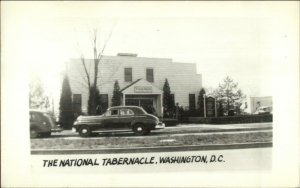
35	126
40	128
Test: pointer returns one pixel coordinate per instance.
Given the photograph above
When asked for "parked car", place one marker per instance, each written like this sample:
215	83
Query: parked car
264	110
42	124
118	119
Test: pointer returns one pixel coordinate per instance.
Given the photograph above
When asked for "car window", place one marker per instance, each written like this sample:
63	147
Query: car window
126	112
111	113
139	111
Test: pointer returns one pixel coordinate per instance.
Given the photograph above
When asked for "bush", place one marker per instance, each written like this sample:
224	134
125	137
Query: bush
233	119
169	121
191	113
66	111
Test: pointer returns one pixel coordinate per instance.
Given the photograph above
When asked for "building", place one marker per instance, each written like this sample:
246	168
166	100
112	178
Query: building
141	81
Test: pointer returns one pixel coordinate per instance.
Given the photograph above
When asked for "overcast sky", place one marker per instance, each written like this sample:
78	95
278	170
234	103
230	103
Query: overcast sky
223	38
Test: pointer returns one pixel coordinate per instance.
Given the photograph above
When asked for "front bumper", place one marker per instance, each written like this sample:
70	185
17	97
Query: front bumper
56	129
160	125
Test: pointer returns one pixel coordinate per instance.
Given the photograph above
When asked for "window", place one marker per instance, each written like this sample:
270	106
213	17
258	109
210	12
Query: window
128	74
173	99
111	113
126	112
77	99
104	102
77	102
192	101
149	75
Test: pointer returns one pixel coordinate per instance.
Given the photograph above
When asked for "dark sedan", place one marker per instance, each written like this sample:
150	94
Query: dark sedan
118	119
42	124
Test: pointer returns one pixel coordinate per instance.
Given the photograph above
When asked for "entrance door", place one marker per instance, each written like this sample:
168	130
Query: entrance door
145	103
132	102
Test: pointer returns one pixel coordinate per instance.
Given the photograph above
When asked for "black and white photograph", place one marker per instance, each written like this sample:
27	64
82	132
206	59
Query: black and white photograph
150	94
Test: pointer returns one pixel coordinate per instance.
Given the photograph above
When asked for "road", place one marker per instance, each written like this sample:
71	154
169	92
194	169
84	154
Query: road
180	129
179	138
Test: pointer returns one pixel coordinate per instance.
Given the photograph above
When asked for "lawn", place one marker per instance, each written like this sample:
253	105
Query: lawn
113	141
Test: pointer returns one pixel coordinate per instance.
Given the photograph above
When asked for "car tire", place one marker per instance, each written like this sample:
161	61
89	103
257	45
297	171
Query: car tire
33	133
85	131
140	129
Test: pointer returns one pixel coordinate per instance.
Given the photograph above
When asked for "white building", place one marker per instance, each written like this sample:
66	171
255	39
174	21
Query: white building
253	103
141	80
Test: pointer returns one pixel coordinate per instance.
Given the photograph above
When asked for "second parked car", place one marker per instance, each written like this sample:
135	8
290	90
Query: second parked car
118	119
42	124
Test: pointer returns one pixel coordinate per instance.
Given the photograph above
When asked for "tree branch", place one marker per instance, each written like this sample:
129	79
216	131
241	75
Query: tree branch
83	84
85	70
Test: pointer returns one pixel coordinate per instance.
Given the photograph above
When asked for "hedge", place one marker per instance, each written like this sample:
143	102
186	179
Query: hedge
169	121
233	119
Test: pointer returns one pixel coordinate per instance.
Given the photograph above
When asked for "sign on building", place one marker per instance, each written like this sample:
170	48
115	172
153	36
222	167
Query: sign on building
142	89
210	107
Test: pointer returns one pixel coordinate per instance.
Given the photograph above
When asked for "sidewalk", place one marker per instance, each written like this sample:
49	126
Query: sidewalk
199	128
228	126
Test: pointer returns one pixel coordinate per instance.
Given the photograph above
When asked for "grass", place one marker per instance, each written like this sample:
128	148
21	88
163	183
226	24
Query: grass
100	142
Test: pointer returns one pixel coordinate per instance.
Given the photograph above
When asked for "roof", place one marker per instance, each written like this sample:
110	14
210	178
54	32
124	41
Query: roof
124	107
141	83
131	84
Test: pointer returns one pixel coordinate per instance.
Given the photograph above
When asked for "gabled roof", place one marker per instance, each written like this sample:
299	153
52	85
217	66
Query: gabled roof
130	84
141	86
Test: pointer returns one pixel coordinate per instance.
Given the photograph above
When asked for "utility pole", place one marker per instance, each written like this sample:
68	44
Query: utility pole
204	105
216	113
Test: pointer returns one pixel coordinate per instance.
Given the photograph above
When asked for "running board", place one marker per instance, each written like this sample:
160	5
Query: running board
112	131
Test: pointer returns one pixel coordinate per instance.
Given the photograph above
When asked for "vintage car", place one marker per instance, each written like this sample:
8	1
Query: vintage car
118	119
264	110
42	124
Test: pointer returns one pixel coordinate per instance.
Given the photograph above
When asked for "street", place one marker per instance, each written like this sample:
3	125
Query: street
178	138
180	129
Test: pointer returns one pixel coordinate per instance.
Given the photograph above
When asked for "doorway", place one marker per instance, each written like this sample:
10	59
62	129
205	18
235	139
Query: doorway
142	102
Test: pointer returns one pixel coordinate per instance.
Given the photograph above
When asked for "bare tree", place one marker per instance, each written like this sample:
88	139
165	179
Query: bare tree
92	82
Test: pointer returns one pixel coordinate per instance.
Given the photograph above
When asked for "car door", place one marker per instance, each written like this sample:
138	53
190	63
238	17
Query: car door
111	119
125	118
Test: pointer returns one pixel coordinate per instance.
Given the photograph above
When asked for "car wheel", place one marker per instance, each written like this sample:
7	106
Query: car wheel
84	131
140	129
33	133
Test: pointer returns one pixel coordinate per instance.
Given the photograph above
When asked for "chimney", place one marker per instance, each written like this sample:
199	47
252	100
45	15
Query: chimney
127	54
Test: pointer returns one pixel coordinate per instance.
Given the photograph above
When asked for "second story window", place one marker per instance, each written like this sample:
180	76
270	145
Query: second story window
128	74
149	75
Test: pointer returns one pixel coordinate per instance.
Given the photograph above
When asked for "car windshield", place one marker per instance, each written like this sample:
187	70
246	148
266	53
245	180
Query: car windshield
139	111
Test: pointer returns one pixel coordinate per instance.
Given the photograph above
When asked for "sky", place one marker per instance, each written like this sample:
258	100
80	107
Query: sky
231	39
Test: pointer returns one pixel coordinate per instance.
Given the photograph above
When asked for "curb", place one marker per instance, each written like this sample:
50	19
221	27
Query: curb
152	149
211	130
